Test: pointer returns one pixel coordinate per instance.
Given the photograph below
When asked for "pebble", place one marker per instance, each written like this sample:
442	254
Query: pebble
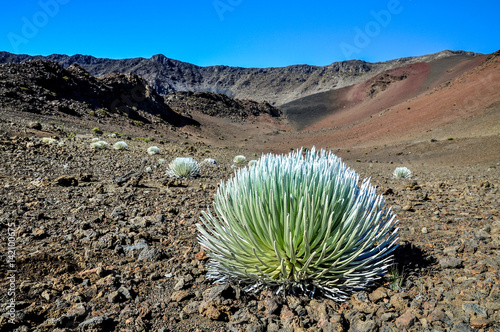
450	262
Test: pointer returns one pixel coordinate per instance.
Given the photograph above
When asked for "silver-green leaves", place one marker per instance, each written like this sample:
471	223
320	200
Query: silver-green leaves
298	221
402	173
183	167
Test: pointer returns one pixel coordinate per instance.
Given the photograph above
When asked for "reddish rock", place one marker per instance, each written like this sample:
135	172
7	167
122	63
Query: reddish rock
480	323
406	320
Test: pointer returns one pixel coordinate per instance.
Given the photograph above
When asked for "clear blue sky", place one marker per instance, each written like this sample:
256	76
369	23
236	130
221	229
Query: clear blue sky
249	33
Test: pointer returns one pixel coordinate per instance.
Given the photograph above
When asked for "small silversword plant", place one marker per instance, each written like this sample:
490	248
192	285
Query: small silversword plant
120	146
152	150
209	162
298	222
183	167
98	145
239	159
252	163
402	173
49	140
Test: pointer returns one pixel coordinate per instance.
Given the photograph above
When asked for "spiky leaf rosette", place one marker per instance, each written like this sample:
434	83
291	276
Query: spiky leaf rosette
298	222
183	167
402	173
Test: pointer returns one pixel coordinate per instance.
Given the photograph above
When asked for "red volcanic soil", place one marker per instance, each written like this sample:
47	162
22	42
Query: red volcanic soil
395	110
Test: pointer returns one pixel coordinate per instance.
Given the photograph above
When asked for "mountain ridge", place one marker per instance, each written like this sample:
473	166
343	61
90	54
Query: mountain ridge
276	85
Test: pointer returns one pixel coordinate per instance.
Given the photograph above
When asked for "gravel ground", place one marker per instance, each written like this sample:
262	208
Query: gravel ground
104	244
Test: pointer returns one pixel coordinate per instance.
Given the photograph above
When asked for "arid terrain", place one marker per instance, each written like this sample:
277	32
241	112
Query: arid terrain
105	241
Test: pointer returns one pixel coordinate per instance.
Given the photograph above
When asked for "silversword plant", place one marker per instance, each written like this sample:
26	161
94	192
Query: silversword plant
120	146
209	162
183	167
239	159
298	222
252	163
152	150
49	140
98	145
402	173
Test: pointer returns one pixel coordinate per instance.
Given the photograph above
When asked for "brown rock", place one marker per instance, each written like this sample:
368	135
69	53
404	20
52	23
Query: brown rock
317	310
378	294
179	296
201	255
398	302
406	320
480	323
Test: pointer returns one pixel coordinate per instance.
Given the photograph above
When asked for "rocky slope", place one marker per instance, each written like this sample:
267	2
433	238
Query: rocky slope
219	105
104	243
274	85
46	88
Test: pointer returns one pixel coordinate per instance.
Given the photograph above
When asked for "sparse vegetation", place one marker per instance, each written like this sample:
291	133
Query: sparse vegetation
49	140
104	144
95	145
396	278
183	167
239	159
146	139
121	145
97	131
102	112
98	145
152	150
402	173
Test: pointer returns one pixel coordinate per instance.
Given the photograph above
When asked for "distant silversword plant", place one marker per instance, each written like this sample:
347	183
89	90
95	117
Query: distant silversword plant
252	163
298	222
98	145
153	150
183	167
209	162
49	140
402	173
104	144
120	146
239	159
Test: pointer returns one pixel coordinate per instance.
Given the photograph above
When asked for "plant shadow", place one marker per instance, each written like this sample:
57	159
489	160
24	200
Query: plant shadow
412	259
